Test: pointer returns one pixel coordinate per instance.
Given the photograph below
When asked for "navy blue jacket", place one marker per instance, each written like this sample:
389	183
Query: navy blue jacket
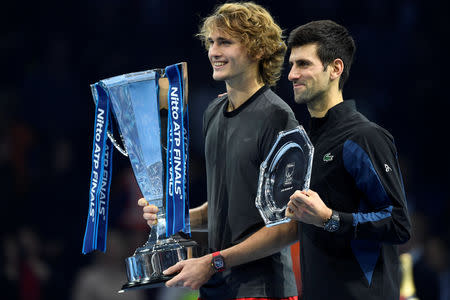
356	173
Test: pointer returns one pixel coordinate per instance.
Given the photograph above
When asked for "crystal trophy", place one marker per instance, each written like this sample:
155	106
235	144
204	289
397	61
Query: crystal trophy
150	109
286	169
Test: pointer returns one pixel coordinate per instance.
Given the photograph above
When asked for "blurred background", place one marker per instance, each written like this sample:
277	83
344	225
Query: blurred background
51	51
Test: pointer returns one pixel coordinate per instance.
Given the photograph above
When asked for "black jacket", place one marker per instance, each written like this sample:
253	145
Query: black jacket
356	173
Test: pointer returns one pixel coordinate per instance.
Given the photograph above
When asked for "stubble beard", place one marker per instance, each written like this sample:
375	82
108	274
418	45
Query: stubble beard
303	98
308	97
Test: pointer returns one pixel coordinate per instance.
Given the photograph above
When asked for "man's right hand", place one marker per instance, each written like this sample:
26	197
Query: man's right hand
149	212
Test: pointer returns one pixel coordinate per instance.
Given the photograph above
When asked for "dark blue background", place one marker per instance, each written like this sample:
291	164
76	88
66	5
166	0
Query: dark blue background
51	51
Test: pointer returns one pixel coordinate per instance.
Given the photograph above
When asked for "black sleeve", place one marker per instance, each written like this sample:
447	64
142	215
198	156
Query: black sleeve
279	120
371	159
210	110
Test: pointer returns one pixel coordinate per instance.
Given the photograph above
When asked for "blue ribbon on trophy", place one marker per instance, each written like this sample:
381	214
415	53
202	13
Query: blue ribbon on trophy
102	152
177	212
139	102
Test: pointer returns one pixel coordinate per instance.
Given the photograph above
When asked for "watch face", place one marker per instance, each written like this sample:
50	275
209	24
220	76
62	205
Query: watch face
333	224
218	263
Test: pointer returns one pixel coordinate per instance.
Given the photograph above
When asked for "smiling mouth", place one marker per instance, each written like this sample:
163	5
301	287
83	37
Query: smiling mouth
218	64
297	85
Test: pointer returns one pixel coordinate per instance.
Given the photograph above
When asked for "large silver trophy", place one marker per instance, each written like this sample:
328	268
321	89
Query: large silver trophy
150	108
286	169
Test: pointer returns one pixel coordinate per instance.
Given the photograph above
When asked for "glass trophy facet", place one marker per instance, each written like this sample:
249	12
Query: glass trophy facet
286	169
141	104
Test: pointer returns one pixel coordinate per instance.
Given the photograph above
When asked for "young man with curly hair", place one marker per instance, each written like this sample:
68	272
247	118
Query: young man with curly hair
246	51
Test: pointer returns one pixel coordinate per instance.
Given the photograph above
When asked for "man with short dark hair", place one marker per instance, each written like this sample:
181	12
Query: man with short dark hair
355	214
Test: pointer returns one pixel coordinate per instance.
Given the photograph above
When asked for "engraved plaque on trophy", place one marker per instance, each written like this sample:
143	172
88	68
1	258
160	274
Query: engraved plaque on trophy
286	169
151	110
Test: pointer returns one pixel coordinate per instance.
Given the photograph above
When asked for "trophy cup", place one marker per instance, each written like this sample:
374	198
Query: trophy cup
150	108
286	169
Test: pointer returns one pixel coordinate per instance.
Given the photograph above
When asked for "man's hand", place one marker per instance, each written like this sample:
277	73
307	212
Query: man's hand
192	273
149	212
306	206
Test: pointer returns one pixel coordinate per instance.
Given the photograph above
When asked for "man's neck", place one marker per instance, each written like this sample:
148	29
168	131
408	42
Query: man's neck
319	107
239	93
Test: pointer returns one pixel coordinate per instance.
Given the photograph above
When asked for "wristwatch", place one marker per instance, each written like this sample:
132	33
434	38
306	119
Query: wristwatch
333	223
217	262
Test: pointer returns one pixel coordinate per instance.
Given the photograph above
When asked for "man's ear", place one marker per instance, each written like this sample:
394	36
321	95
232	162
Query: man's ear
336	68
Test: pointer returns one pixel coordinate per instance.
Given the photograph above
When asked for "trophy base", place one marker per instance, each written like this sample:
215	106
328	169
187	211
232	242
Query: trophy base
145	268
146	284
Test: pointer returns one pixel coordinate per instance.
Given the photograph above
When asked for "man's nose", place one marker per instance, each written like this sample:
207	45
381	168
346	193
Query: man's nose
293	74
213	50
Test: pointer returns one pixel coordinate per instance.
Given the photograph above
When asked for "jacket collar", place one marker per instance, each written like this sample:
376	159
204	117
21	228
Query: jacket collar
333	115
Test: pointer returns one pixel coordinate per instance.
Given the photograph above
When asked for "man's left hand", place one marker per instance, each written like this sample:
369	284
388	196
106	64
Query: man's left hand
192	273
306	206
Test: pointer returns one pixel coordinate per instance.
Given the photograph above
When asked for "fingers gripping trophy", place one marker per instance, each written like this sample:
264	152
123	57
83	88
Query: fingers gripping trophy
151	113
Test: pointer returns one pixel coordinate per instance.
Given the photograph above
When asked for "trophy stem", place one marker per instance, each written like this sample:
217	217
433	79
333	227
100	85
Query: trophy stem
157	236
160	228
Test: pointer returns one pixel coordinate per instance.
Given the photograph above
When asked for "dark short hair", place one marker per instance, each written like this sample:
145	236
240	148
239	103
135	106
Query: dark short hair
333	41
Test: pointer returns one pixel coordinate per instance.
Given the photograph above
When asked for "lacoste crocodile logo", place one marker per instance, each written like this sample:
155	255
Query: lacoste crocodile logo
328	157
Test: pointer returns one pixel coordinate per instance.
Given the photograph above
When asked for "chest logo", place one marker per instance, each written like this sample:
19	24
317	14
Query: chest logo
328	157
387	168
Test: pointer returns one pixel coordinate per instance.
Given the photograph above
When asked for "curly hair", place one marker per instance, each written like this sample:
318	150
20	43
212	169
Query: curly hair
255	28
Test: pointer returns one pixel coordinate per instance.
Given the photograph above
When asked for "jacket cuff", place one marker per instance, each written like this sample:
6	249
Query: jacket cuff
346	227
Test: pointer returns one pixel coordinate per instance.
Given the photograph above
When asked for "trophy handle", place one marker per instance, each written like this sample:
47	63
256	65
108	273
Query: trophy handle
163	83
